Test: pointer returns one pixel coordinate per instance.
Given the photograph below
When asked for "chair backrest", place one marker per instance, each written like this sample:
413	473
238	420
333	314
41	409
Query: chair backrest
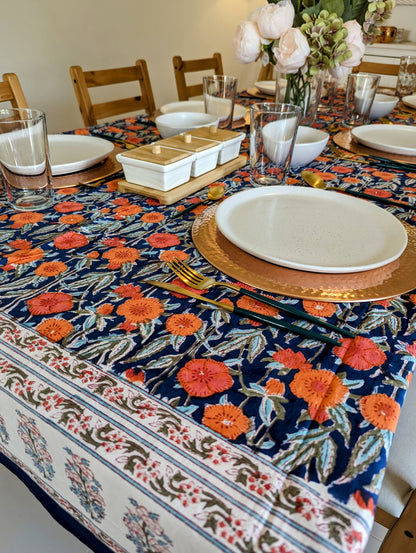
182	67
379	68
11	91
83	80
267	73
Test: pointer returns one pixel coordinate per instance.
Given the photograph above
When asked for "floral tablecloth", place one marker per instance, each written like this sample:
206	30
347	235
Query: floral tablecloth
148	422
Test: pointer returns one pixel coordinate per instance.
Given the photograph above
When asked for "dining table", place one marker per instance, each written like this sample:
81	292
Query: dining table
147	421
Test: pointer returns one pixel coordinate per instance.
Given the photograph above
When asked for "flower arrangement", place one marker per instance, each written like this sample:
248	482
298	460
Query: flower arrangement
302	38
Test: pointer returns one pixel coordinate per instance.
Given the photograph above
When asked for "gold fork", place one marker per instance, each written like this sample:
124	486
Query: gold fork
196	280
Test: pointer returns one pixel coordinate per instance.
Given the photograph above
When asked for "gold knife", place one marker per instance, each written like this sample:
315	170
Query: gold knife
246	313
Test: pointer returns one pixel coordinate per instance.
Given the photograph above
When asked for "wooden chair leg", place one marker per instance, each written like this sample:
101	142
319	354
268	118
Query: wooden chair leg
401	538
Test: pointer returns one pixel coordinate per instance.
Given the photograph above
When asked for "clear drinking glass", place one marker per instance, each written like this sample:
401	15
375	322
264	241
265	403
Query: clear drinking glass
24	159
359	96
272	138
220	92
406	79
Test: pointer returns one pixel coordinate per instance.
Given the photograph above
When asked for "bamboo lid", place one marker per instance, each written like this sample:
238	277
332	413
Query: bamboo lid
156	153
187	142
213	133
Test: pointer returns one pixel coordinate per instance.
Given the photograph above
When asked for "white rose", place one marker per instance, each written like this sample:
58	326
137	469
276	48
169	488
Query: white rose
354	42
292	52
274	19
246	42
339	71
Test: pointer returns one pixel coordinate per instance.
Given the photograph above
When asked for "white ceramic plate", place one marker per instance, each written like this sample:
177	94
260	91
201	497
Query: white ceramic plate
395	139
267	87
70	153
310	229
199	107
410	100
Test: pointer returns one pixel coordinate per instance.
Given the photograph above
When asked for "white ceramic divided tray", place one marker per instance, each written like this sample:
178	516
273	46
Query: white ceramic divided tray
395	139
310	229
70	153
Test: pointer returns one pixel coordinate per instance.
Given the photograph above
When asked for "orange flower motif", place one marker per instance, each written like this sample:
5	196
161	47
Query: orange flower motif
361	502
129	291
320	389
413	298
227	420
153	217
105	309
21	257
127	210
174	254
70	240
360	353
50	302
67	207
132	376
92	255
319	308
274	387
163	240
254	305
71	219
20	244
55	329
411	348
28	218
204	377
184	324
50	268
67	191
291	360
120	255
380	410
140	310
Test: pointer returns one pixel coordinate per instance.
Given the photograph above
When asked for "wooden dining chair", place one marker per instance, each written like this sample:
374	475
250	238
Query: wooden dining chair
11	91
84	80
267	73
182	67
379	68
396	507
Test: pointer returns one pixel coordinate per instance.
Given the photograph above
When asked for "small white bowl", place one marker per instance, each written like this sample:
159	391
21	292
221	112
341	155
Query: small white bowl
171	124
309	144
383	104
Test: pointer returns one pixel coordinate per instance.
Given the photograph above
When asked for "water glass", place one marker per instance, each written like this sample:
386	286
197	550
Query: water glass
359	96
24	159
220	92
406	79
273	129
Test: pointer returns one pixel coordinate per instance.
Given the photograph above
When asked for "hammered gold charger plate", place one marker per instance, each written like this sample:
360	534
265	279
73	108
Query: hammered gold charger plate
388	281
348	142
101	170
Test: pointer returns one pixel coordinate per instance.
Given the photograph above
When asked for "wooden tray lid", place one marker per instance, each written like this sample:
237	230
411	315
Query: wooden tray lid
213	133
187	142
155	153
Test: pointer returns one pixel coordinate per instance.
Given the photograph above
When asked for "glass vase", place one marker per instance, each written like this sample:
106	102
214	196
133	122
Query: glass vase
300	90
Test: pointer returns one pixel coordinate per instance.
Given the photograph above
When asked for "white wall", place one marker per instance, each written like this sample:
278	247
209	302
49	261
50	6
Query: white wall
40	40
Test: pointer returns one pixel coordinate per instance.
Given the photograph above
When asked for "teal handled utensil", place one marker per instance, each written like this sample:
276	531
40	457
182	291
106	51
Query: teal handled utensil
247	313
214	194
315	181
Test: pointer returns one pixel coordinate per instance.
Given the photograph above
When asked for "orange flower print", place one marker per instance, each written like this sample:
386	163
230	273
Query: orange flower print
204	377
128	291
114	242
274	387
28	218
320	389
380	410
67	191
127	210
174	254
291	360
369	505
92	255
70	240
153	217
255	305
55	329
105	309
50	302
50	268
120	255
67	207
411	348
319	308
133	376
71	219
163	240
184	324
413	298
21	257
20	244
227	420
360	353
140	310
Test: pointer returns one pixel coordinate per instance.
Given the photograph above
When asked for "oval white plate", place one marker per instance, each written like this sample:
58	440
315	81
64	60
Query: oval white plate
310	229
267	87
410	100
199	107
395	139
70	153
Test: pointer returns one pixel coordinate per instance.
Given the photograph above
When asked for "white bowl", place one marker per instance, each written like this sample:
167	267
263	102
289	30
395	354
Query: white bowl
309	144
383	104
171	124
199	107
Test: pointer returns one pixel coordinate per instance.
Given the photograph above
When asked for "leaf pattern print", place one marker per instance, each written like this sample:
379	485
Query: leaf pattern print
35	445
144	530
